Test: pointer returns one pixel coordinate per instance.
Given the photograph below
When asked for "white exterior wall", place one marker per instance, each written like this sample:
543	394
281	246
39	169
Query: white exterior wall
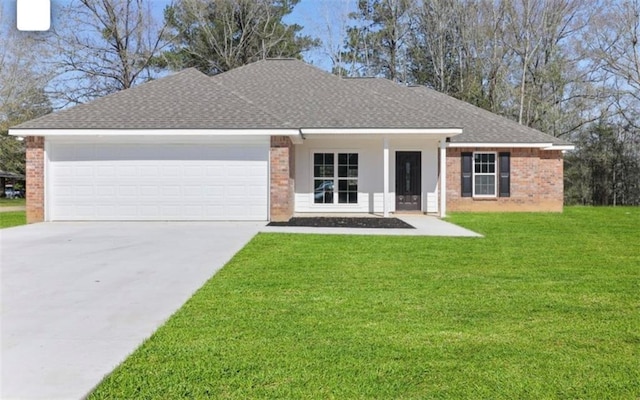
370	172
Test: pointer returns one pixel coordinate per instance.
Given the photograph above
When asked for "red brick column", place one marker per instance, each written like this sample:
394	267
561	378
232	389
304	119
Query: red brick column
35	179
282	178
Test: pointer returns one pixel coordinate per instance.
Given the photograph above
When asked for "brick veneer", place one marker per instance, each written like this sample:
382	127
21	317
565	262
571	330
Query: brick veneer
35	179
536	182
282	178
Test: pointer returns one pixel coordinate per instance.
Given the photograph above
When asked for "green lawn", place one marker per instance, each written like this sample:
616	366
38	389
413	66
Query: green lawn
12	218
545	306
4	202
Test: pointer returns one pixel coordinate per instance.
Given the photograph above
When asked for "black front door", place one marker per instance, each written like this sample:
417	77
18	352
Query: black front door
408	179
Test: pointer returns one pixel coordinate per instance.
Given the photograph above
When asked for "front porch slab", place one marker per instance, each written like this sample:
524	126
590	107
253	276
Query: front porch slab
425	225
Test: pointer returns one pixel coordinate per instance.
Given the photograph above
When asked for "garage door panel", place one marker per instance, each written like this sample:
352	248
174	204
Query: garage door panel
149	191
157	182
82	171
105	171
106	190
217	170
147	211
125	171
124	191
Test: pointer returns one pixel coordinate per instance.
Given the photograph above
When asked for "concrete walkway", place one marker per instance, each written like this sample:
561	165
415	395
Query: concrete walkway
425	226
12	208
78	298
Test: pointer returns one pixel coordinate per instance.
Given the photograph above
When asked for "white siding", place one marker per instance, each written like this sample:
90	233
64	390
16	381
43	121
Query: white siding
370	169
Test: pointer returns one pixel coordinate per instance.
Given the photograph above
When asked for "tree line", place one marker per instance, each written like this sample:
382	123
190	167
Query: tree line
570	68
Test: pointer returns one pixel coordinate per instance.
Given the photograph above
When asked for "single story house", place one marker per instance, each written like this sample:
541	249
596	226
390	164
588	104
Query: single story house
278	137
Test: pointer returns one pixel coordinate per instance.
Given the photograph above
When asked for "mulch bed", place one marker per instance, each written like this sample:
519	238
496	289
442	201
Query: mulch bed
345	222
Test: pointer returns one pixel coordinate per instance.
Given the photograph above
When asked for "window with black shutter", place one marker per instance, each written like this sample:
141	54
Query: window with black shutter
485	174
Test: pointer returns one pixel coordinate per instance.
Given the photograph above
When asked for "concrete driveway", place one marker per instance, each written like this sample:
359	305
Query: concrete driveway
77	298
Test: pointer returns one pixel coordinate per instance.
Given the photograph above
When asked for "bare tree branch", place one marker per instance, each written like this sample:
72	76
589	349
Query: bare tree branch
106	46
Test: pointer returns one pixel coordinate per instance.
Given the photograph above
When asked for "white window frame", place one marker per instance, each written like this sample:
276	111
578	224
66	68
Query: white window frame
495	175
335	177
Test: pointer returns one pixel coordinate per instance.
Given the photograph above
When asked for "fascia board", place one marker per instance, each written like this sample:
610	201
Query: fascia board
382	131
500	145
154	132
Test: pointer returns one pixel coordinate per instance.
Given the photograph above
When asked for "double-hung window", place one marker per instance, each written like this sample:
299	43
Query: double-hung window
484	175
335	178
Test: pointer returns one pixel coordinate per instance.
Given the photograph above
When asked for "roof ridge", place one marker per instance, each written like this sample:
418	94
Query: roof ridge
280	59
388	97
243	66
141	86
251	103
253	63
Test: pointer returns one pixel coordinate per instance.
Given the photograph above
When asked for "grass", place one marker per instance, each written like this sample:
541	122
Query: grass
545	306
4	202
12	218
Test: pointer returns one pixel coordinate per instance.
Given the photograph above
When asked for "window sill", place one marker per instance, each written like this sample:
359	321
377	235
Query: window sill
326	205
485	198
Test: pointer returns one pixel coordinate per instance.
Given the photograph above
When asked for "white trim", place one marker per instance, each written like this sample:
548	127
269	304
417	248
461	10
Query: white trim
269	170
155	132
381	131
443	179
561	147
385	177
169	139
495	175
543	146
46	191
514	145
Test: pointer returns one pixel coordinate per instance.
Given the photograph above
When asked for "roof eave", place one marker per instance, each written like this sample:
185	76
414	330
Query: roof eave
543	146
563	147
448	132
498	144
154	132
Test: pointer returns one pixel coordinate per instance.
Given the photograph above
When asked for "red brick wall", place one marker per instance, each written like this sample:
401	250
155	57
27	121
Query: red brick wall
282	178
536	182
35	179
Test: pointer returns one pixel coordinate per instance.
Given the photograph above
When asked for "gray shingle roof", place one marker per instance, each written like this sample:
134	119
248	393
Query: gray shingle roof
185	100
479	125
307	97
273	94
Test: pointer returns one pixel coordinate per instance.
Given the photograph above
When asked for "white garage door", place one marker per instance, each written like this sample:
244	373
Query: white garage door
157	182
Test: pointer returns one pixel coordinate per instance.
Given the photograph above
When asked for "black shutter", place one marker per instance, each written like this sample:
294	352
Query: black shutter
467	170
505	175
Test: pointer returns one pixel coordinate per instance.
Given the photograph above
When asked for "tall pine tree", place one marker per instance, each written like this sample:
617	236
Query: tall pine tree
376	42
216	36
